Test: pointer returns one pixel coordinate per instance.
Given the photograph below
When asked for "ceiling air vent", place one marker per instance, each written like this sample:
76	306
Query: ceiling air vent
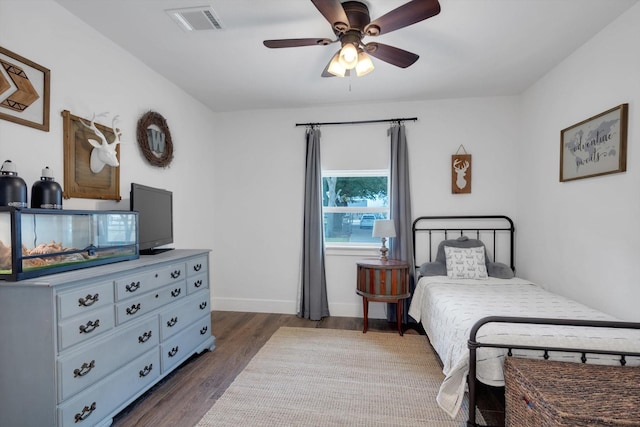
195	18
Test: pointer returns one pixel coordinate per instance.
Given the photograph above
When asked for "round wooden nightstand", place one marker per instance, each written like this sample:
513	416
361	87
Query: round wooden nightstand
383	281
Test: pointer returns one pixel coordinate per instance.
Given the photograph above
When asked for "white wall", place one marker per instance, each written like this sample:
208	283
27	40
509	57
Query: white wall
579	238
238	177
91	74
259	177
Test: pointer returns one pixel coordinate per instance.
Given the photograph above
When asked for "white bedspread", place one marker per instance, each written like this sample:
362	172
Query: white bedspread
448	308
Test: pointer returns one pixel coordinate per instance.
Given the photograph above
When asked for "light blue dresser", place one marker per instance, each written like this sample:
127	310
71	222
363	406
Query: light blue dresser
76	348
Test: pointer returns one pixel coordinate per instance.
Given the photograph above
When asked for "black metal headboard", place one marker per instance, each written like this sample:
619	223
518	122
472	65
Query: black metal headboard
495	231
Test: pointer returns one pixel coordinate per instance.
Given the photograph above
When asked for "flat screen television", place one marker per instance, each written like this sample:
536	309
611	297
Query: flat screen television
155	217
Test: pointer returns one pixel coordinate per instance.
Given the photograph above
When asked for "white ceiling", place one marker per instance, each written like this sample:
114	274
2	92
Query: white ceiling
472	48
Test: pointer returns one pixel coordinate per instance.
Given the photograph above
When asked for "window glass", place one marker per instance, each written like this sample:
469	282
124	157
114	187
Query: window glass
352	201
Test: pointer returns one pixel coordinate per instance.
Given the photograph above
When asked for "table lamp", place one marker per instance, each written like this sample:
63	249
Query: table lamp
384	228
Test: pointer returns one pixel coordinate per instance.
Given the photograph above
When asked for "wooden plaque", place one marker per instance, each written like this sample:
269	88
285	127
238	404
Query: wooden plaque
461	173
79	181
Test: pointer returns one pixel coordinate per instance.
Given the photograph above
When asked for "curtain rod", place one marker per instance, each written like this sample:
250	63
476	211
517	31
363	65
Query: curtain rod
413	119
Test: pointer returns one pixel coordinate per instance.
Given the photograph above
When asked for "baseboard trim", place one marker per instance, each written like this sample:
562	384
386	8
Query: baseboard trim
376	310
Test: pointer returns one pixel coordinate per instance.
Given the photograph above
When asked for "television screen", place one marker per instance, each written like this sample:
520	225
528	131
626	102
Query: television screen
155	217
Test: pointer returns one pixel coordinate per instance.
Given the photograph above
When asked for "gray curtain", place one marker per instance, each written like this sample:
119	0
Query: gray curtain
401	246
313	302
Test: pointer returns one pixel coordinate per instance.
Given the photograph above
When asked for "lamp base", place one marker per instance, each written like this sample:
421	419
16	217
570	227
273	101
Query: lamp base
384	250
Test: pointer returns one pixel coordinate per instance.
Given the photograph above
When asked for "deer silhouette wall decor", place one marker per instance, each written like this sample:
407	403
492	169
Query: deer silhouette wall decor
103	153
461	173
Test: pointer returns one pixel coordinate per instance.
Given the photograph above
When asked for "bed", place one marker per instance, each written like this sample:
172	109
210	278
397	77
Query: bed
475	310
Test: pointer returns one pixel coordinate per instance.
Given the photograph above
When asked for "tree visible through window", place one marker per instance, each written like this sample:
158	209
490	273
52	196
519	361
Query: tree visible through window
352	201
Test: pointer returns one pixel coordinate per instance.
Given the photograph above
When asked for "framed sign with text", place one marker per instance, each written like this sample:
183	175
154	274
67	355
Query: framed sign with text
596	146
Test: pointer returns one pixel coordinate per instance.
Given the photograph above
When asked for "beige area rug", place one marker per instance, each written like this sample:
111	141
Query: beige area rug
326	377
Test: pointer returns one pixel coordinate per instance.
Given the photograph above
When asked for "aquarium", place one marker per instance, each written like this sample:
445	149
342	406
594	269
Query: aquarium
37	242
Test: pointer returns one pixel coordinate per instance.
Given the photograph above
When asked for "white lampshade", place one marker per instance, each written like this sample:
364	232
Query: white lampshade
364	65
384	228
335	67
348	56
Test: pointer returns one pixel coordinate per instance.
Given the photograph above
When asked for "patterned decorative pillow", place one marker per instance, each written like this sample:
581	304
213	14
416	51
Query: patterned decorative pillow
460	242
465	263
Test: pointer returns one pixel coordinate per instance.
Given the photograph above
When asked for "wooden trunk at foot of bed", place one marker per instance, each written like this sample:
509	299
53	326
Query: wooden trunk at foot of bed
563	394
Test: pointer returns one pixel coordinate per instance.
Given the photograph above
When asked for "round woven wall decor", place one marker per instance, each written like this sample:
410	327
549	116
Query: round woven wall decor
160	159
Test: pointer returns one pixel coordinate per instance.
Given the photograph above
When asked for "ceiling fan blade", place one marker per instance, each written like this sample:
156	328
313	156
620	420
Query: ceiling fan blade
393	55
296	42
333	12
403	16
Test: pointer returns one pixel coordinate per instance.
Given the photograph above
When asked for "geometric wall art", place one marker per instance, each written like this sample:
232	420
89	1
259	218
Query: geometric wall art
24	91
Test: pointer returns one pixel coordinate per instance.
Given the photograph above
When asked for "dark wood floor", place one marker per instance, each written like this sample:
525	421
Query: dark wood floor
184	396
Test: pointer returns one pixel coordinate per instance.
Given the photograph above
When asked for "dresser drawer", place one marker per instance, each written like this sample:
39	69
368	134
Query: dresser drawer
82	368
84	299
85	326
95	403
172	273
197	282
136	284
145	281
179	316
179	347
197	265
136	307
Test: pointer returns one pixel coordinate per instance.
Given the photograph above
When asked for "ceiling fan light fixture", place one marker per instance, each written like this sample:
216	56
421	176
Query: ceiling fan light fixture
348	56
335	67
365	65
351	22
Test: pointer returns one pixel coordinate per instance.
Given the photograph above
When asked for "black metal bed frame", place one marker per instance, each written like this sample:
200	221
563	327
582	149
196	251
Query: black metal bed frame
473	344
470	227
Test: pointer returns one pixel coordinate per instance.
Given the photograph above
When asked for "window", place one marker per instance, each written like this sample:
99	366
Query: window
352	201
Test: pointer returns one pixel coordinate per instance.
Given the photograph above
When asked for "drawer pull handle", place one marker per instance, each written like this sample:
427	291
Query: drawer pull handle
197	267
203	305
175	274
171	322
89	327
86	411
133	286
88	300
144	337
146	371
204	330
173	351
176	292
197	283
133	309
84	369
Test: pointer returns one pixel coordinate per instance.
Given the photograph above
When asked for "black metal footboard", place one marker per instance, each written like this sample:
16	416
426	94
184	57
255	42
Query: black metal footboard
473	345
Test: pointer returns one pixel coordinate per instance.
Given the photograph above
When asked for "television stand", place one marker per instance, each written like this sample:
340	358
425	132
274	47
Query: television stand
154	251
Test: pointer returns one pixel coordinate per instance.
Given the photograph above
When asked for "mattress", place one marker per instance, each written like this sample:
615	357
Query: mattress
448	308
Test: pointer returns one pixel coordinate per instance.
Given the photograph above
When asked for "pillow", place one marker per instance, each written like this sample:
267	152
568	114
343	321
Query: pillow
466	263
460	242
433	269
500	270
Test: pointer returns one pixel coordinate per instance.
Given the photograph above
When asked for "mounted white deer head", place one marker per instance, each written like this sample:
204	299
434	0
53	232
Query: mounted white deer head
103	153
461	171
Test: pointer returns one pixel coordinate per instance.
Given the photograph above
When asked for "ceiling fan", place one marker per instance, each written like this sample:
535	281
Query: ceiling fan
351	23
